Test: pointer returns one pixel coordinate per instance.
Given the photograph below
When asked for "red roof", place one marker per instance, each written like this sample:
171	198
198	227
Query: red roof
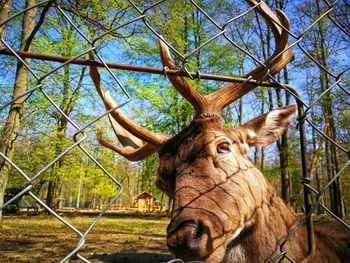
144	195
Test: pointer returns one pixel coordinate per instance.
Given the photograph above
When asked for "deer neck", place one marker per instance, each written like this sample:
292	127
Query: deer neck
271	224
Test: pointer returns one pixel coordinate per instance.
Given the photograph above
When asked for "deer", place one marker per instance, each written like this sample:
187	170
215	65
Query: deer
224	209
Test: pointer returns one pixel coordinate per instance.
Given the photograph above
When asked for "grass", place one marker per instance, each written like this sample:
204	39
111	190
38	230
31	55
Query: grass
42	238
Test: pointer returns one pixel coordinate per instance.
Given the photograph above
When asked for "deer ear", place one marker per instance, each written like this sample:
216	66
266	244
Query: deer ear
268	127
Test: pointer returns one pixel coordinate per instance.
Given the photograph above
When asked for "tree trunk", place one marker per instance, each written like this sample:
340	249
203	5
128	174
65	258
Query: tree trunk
80	185
240	101
327	107
283	147
265	40
5	8
262	156
282	143
68	102
12	125
54	179
314	163
67	105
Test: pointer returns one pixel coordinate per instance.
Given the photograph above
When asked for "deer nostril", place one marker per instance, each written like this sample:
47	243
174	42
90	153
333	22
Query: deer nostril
185	237
172	245
200	230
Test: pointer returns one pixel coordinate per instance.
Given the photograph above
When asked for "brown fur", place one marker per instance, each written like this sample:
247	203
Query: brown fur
224	208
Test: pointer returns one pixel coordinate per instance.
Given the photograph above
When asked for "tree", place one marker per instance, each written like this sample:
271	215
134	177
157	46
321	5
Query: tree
5	8
13	122
326	49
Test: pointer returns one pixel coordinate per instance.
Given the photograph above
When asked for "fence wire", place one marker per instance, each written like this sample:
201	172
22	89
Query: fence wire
143	11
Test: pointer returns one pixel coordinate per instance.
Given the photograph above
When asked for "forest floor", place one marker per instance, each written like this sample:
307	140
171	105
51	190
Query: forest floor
115	238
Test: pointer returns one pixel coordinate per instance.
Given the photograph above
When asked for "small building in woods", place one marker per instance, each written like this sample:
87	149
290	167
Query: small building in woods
25	201
144	202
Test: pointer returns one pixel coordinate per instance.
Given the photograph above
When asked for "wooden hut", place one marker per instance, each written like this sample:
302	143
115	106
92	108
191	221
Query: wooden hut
144	202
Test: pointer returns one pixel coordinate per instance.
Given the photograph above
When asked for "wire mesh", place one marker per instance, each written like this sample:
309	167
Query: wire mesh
143	10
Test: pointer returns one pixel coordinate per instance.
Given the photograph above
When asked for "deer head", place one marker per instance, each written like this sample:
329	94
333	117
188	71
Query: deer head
218	193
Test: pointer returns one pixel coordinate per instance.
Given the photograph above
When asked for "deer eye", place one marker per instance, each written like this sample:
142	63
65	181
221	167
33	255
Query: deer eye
223	147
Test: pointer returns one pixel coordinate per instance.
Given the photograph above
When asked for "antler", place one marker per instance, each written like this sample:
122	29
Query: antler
215	102
129	152
198	102
138	142
274	64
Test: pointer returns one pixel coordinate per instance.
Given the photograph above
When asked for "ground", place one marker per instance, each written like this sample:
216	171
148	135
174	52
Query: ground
115	238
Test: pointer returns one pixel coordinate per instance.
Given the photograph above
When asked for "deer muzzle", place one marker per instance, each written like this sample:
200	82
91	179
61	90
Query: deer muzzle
190	234
187	239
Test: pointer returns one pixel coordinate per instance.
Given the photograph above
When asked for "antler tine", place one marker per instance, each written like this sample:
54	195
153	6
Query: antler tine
125	137
128	152
130	126
199	102
223	97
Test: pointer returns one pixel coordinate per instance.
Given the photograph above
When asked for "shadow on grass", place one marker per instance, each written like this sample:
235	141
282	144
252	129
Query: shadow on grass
131	258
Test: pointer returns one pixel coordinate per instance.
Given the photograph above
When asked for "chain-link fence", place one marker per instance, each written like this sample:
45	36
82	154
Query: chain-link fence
337	80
